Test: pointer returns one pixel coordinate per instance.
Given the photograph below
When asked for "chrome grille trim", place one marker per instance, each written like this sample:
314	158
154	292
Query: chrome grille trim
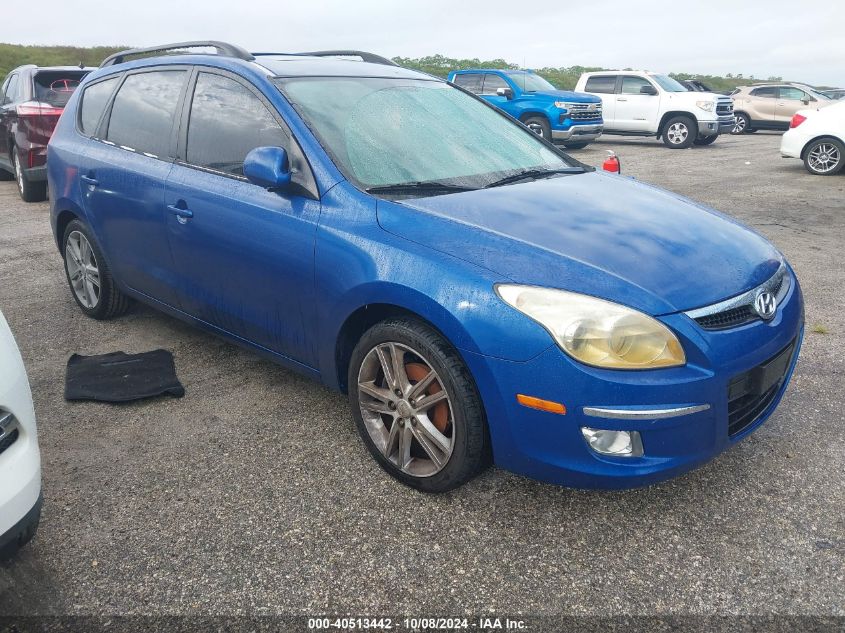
778	284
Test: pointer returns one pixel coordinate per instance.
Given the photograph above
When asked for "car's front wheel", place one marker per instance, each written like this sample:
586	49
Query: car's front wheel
540	126
90	280
824	156
679	132
741	123
416	406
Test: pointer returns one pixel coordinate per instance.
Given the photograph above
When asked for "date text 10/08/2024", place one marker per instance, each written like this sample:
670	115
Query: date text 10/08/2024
417	624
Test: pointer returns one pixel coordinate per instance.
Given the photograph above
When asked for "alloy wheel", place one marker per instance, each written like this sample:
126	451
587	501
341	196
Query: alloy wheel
406	409
18	171
824	157
677	133
536	128
82	270
739	125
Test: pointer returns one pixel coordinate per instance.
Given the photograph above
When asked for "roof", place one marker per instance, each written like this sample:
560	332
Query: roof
524	71
294	65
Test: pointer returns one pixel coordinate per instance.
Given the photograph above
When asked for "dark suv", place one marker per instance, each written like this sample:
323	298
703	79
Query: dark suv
31	101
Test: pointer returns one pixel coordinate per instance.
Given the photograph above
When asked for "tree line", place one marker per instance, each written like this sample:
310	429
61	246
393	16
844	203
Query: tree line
563	77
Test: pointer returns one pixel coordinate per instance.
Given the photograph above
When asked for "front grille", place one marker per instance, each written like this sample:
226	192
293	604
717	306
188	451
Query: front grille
751	393
725	108
585	116
7	441
740	310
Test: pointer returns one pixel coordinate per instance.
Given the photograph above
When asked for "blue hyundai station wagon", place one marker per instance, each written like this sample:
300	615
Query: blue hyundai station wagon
478	294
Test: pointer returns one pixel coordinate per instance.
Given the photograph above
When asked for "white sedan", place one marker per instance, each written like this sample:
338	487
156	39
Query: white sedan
818	138
20	460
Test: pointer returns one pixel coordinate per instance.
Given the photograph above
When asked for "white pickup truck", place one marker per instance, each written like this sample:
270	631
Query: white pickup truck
642	103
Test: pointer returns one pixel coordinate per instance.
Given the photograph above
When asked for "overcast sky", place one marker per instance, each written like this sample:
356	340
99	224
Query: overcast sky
799	40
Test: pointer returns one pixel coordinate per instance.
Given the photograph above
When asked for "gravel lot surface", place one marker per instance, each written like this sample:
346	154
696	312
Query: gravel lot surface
253	494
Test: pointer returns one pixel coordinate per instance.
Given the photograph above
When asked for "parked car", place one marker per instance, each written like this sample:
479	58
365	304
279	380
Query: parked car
694	85
20	460
641	103
31	102
571	118
476	292
771	106
818	138
838	93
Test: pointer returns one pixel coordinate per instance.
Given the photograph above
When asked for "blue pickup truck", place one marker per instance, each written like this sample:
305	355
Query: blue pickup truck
562	116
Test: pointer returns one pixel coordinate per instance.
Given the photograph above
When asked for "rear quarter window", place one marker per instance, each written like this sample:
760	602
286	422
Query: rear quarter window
144	111
604	84
94	100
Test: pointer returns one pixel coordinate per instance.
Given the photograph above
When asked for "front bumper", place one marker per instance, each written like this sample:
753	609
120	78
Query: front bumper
578	133
550	447
722	125
22	532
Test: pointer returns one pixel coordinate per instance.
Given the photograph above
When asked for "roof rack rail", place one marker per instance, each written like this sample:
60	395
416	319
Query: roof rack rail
371	58
222	48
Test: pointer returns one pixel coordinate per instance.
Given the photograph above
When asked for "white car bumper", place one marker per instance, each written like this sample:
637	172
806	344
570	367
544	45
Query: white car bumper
791	143
20	460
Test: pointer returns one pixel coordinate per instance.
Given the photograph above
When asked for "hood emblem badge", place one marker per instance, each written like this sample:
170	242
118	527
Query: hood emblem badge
765	304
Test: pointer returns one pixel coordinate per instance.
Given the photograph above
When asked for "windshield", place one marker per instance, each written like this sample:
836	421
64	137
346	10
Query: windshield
529	82
383	132
669	84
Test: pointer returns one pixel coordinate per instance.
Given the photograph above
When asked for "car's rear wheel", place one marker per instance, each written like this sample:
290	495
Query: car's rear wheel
705	140
679	132
90	280
741	123
30	191
824	157
539	125
416	406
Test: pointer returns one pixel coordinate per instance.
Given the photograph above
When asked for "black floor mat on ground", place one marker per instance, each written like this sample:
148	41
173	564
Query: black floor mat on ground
119	377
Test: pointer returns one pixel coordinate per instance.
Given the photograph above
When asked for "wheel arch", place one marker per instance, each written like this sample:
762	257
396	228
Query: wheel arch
818	138
667	116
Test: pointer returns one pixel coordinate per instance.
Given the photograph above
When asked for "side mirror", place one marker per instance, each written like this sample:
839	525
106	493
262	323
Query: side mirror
505	92
268	167
648	90
806	100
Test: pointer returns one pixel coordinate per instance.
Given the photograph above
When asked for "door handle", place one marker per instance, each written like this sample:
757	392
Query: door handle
89	181
182	215
621	99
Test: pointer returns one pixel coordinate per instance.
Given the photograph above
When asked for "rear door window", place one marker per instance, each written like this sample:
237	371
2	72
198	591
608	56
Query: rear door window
94	101
11	90
768	93
605	84
144	111
469	81
54	87
228	121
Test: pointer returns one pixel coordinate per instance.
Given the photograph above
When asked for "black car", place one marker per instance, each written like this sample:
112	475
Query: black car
31	101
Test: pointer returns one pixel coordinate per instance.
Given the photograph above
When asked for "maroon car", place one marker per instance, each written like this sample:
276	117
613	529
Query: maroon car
31	101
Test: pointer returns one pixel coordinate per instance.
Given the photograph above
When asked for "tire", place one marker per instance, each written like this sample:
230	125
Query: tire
824	156
30	191
395	429
539	125
679	132
741	123
705	140
101	303
575	145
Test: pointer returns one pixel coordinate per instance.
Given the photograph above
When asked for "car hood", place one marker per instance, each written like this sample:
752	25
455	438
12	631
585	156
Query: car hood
564	95
594	233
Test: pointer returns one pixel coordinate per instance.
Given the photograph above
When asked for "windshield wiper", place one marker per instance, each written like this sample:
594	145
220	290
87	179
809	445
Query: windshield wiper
418	187
534	174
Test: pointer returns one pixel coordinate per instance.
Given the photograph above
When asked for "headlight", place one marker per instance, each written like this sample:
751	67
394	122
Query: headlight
705	105
597	332
562	105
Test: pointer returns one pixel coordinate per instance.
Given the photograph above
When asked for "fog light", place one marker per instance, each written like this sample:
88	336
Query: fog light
618	443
